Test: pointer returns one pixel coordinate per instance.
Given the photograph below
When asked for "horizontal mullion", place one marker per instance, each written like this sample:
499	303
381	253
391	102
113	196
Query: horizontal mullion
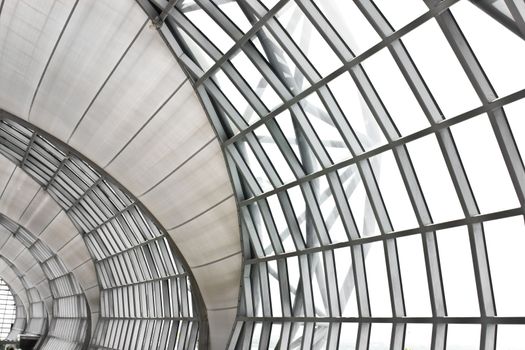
396	320
194	319
445	123
141	244
178	275
114	216
396	234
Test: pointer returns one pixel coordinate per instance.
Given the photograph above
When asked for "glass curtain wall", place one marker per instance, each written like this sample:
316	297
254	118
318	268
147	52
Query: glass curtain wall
375	149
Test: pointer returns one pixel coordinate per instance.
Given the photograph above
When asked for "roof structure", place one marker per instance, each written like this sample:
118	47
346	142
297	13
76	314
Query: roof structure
264	174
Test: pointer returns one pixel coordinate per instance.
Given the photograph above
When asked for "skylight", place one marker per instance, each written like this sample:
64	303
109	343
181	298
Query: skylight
374	148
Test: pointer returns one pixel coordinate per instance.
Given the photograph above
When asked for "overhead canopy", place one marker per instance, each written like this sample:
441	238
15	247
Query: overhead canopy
120	99
368	153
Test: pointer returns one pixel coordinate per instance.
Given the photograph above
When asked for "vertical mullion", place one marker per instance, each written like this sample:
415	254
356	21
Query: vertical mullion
408	174
485	91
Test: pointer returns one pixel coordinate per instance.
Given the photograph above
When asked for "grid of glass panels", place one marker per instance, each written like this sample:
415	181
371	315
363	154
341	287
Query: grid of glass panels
69	326
375	149
135	259
8	310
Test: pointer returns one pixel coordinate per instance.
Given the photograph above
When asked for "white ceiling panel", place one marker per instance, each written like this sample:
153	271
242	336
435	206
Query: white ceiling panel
12	248
142	82
86	274
18	193
6	169
9	276
40	213
35	275
59	232
83	61
5	234
24	261
218	235
220	282
28	32
193	188
221	323
3	266
16	285
92	296
176	132
74	253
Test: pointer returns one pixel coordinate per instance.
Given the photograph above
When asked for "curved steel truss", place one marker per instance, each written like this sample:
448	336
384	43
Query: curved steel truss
147	297
375	153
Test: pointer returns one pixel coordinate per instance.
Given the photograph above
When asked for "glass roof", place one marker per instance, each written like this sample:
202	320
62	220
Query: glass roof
375	149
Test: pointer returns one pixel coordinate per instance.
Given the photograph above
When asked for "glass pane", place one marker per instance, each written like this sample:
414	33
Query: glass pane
348	336
273	152
256	81
500	51
209	27
393	191
275	335
414	276
359	203
463	336
440	69
418	337
357	112
434	178
395	92
345	282
505	245
397	16
357	33
330	212
484	165
380	336
457	272
510	337
377	279
325	128
308	39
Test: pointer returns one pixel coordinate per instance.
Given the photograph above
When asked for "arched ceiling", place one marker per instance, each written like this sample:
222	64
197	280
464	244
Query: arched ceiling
310	110
23	202
120	99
